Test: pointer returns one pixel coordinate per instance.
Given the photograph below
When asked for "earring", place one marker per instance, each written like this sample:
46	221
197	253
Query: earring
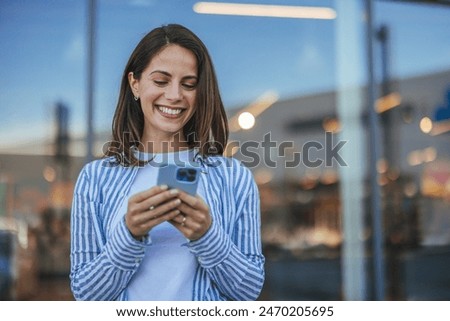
136	98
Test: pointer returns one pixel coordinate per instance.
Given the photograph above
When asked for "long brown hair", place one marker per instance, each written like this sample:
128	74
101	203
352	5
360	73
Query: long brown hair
206	130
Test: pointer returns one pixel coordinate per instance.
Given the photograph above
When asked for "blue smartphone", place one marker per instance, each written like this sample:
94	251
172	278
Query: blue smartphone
183	178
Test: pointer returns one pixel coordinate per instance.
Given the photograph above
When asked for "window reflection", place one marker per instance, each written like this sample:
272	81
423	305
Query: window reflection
278	73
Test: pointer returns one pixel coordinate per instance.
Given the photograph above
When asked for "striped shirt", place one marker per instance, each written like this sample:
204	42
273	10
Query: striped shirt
231	263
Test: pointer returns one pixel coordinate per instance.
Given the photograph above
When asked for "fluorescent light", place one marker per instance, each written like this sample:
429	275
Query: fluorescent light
262	10
262	103
440	127
387	102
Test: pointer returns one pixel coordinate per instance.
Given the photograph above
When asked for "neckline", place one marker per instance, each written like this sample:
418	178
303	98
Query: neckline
185	155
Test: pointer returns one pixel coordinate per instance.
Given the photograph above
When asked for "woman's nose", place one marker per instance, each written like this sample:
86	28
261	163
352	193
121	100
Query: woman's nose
173	92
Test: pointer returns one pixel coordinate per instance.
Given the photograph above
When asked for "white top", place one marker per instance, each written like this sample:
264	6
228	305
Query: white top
168	267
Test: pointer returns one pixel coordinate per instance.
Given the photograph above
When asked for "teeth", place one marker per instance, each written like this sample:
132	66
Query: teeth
170	111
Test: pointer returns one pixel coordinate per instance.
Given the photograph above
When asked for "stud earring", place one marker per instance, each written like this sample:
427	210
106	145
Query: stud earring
136	98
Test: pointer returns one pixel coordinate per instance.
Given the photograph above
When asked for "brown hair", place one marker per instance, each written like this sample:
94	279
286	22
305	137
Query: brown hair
207	129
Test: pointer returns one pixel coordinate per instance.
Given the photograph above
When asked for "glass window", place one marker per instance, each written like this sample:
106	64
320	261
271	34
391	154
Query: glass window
295	91
413	70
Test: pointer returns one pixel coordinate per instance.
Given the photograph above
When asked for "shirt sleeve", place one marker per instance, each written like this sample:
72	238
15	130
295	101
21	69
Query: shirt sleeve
235	262
100	268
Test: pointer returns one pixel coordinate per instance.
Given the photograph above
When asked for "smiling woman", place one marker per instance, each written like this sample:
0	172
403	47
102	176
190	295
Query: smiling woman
169	98
167	92
135	240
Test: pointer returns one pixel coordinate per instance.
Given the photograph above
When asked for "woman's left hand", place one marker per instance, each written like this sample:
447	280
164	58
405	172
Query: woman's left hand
194	219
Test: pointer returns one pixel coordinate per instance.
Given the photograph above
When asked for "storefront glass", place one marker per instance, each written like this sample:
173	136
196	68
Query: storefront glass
296	92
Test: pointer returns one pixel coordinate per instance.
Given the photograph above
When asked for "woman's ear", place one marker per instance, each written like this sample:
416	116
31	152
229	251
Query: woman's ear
134	84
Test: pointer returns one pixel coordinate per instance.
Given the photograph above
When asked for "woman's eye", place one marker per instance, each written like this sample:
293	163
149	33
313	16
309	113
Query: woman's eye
189	86
160	83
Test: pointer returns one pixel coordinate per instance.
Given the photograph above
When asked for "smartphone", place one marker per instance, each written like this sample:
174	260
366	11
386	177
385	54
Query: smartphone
183	178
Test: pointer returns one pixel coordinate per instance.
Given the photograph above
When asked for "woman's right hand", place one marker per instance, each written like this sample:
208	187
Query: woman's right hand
150	208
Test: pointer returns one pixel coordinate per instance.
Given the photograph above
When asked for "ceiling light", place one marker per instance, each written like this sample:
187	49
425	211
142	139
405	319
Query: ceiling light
262	10
254	109
426	125
246	120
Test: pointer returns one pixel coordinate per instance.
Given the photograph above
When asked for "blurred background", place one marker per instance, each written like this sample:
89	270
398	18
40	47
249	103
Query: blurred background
349	104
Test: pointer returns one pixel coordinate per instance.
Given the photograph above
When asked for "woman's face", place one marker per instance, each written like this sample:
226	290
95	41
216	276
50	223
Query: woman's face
167	91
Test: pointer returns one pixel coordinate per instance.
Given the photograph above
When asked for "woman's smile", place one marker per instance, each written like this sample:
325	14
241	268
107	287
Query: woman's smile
169	112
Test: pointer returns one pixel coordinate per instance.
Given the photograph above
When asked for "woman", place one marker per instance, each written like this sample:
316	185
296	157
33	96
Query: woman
134	240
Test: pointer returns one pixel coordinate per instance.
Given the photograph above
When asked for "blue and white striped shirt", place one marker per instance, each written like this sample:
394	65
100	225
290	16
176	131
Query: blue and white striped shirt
231	263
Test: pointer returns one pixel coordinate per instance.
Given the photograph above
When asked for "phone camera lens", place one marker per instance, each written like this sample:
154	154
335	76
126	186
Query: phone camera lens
181	175
186	175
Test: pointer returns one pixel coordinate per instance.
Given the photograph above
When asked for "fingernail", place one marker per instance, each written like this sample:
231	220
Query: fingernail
163	187
177	201
174	191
